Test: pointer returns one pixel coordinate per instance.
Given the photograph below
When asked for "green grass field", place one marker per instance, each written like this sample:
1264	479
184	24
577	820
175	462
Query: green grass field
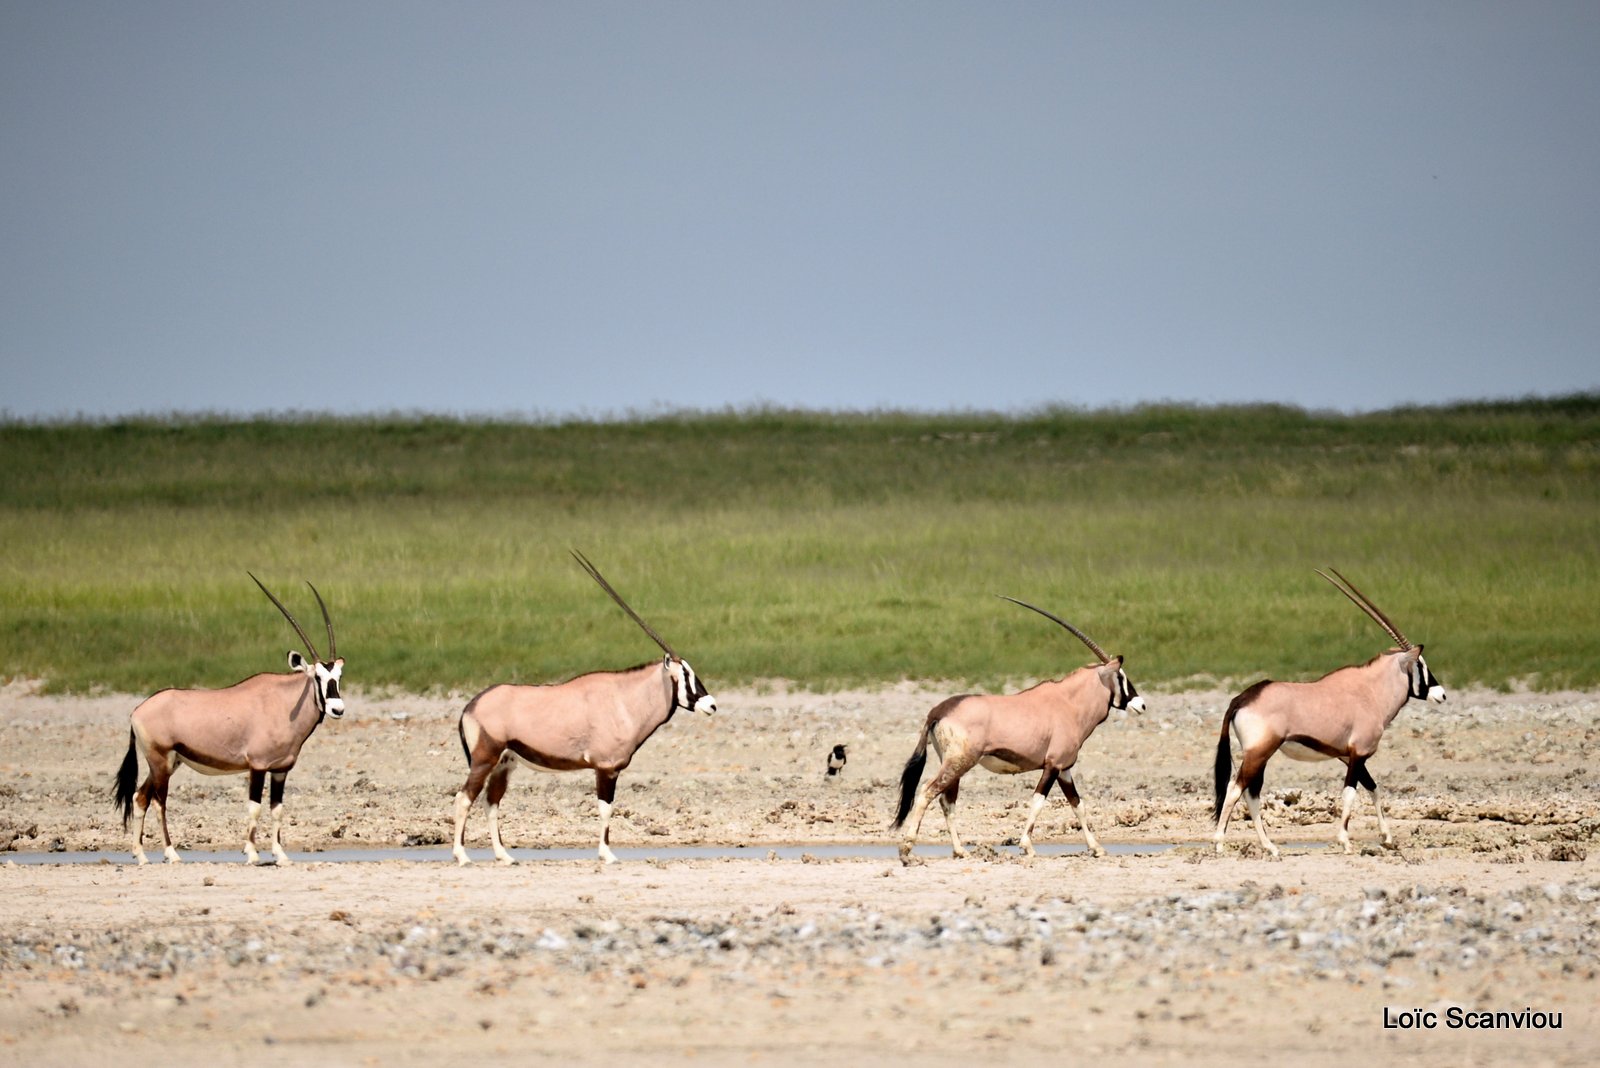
827	549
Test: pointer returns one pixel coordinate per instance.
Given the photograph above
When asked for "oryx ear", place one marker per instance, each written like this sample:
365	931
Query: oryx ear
1412	655
1107	672
296	661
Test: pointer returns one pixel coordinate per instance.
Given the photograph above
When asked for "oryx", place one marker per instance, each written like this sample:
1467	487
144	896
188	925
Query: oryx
1040	729
1341	716
597	721
255	726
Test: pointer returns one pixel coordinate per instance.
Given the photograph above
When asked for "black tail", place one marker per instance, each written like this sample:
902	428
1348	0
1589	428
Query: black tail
911	776
1224	765
127	779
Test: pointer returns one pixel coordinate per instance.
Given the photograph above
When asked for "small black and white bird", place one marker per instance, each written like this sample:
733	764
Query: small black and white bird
836	761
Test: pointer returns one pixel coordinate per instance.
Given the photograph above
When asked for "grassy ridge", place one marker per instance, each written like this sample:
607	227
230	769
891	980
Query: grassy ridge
830	549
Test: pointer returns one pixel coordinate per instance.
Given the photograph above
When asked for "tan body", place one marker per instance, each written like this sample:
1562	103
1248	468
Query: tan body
1041	729
1341	716
596	721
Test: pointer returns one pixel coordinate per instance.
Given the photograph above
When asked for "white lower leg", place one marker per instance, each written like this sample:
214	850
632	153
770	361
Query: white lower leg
1082	809
1034	808
167	848
500	853
949	811
913	824
1229	799
277	830
1383	824
463	805
252	817
605	833
1347	801
1254	801
138	839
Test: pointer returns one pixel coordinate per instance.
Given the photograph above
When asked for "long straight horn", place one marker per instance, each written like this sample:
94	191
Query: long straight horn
1366	606
333	648
290	618
1076	633
594	573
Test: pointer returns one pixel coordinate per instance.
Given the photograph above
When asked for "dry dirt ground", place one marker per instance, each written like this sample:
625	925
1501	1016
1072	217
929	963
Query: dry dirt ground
1491	903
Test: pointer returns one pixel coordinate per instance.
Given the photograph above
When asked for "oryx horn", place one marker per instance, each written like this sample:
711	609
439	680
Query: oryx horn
333	648
1366	606
594	573
1076	633
290	618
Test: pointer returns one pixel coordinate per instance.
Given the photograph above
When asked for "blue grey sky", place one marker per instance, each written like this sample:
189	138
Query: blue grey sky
591	209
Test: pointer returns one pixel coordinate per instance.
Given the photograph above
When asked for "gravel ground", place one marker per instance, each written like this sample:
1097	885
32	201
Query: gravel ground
1490	904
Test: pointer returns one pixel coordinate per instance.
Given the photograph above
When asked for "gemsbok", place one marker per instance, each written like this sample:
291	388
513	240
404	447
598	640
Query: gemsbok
595	721
1040	729
256	726
1341	716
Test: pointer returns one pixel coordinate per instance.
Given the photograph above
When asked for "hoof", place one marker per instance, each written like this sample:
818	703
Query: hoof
1098	851
506	860
172	856
462	860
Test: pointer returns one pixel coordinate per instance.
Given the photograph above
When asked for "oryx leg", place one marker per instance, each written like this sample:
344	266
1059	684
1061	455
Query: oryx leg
158	797
141	804
605	792
1252	797
1248	783
278	780
258	783
1080	810
482	766
1041	794
1364	779
946	787
947	805
499	779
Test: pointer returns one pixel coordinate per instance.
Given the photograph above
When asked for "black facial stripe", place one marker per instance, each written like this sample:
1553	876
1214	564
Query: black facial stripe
693	689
